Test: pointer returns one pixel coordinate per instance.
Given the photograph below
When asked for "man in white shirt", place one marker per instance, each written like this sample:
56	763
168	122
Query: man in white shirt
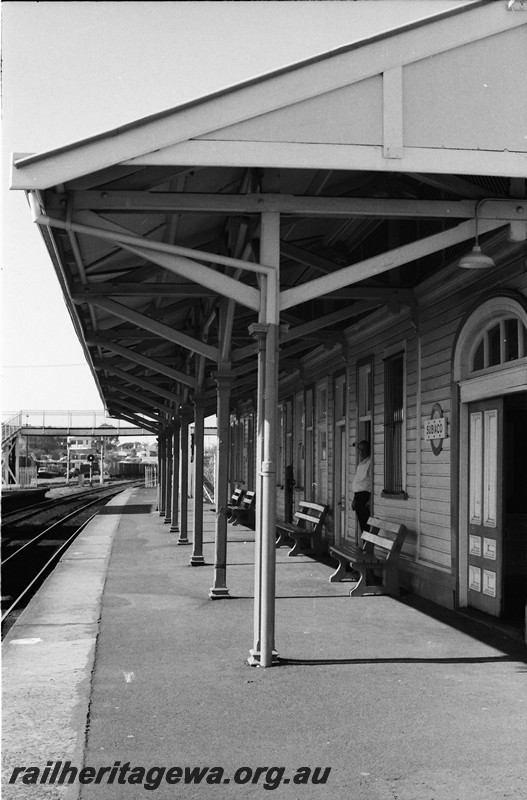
361	485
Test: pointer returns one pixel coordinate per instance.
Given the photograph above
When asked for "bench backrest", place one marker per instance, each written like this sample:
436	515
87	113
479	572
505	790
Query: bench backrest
237	495
312	515
384	538
248	501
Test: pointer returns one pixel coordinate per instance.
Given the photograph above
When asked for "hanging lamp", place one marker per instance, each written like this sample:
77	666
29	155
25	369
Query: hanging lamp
476	259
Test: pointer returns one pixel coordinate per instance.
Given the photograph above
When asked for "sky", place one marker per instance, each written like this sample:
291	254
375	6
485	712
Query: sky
74	69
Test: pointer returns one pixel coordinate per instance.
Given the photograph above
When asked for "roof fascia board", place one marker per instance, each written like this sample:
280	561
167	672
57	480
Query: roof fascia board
268	93
283	155
383	262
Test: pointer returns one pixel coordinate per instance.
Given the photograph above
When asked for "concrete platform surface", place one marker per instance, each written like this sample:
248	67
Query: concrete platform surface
122	666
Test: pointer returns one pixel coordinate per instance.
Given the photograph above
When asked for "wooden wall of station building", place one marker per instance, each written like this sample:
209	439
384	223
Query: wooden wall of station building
427	335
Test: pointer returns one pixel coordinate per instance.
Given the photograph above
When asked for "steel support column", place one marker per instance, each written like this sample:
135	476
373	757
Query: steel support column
186	416
197	558
259	332
224	379
168	480
174	528
265	560
162	473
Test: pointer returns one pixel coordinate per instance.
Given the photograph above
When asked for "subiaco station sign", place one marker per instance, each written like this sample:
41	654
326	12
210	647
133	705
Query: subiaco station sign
436	429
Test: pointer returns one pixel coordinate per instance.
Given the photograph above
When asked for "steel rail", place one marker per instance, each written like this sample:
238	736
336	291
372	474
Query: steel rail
47	566
56	524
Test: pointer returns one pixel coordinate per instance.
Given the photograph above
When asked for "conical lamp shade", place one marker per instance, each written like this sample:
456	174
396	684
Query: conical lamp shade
476	259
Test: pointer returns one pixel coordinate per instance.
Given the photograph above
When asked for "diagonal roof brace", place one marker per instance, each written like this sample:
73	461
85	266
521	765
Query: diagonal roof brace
159	328
132	409
140	400
149	363
207	277
131	378
130	417
384	262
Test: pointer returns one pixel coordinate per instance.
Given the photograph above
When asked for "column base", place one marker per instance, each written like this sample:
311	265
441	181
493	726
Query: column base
161	513
183	540
255	655
167	521
174	529
197	561
218	594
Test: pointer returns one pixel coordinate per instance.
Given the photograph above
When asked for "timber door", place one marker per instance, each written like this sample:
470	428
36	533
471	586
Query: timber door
485	524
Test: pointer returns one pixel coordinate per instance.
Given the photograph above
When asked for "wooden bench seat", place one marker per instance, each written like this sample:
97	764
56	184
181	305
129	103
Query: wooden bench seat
306	530
379	551
244	513
235	501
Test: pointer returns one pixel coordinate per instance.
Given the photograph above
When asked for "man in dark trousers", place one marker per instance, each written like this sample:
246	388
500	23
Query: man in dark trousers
361	485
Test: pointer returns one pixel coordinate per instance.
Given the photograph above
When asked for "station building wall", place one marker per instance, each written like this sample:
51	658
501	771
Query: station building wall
426	336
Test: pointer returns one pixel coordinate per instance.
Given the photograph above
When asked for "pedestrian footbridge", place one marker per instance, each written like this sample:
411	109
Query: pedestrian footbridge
17	430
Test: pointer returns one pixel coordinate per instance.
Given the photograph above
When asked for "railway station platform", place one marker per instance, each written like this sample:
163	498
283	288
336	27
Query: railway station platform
124	673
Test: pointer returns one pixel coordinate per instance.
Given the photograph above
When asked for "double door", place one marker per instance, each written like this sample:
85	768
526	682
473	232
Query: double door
485	512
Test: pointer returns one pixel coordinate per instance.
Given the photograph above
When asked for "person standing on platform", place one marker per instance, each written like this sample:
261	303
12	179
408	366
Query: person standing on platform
361	485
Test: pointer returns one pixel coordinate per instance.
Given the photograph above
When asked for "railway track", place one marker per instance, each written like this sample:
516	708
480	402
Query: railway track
34	540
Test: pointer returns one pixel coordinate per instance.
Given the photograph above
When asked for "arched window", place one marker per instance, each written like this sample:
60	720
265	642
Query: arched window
502	341
492	338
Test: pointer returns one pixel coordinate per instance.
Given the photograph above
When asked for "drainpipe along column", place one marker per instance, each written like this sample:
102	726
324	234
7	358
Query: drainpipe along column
174	528
186	416
224	380
197	559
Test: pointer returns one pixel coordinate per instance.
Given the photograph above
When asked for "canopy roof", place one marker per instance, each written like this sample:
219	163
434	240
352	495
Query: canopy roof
377	157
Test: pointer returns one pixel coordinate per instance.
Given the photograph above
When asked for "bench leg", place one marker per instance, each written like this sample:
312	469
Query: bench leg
339	573
362	587
391	582
297	549
282	538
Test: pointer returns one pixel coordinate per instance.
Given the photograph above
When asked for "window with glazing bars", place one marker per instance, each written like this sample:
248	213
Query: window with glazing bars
393	423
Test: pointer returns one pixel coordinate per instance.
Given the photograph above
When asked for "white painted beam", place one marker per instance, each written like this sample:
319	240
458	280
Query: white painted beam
303	206
164	255
383	262
354	157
